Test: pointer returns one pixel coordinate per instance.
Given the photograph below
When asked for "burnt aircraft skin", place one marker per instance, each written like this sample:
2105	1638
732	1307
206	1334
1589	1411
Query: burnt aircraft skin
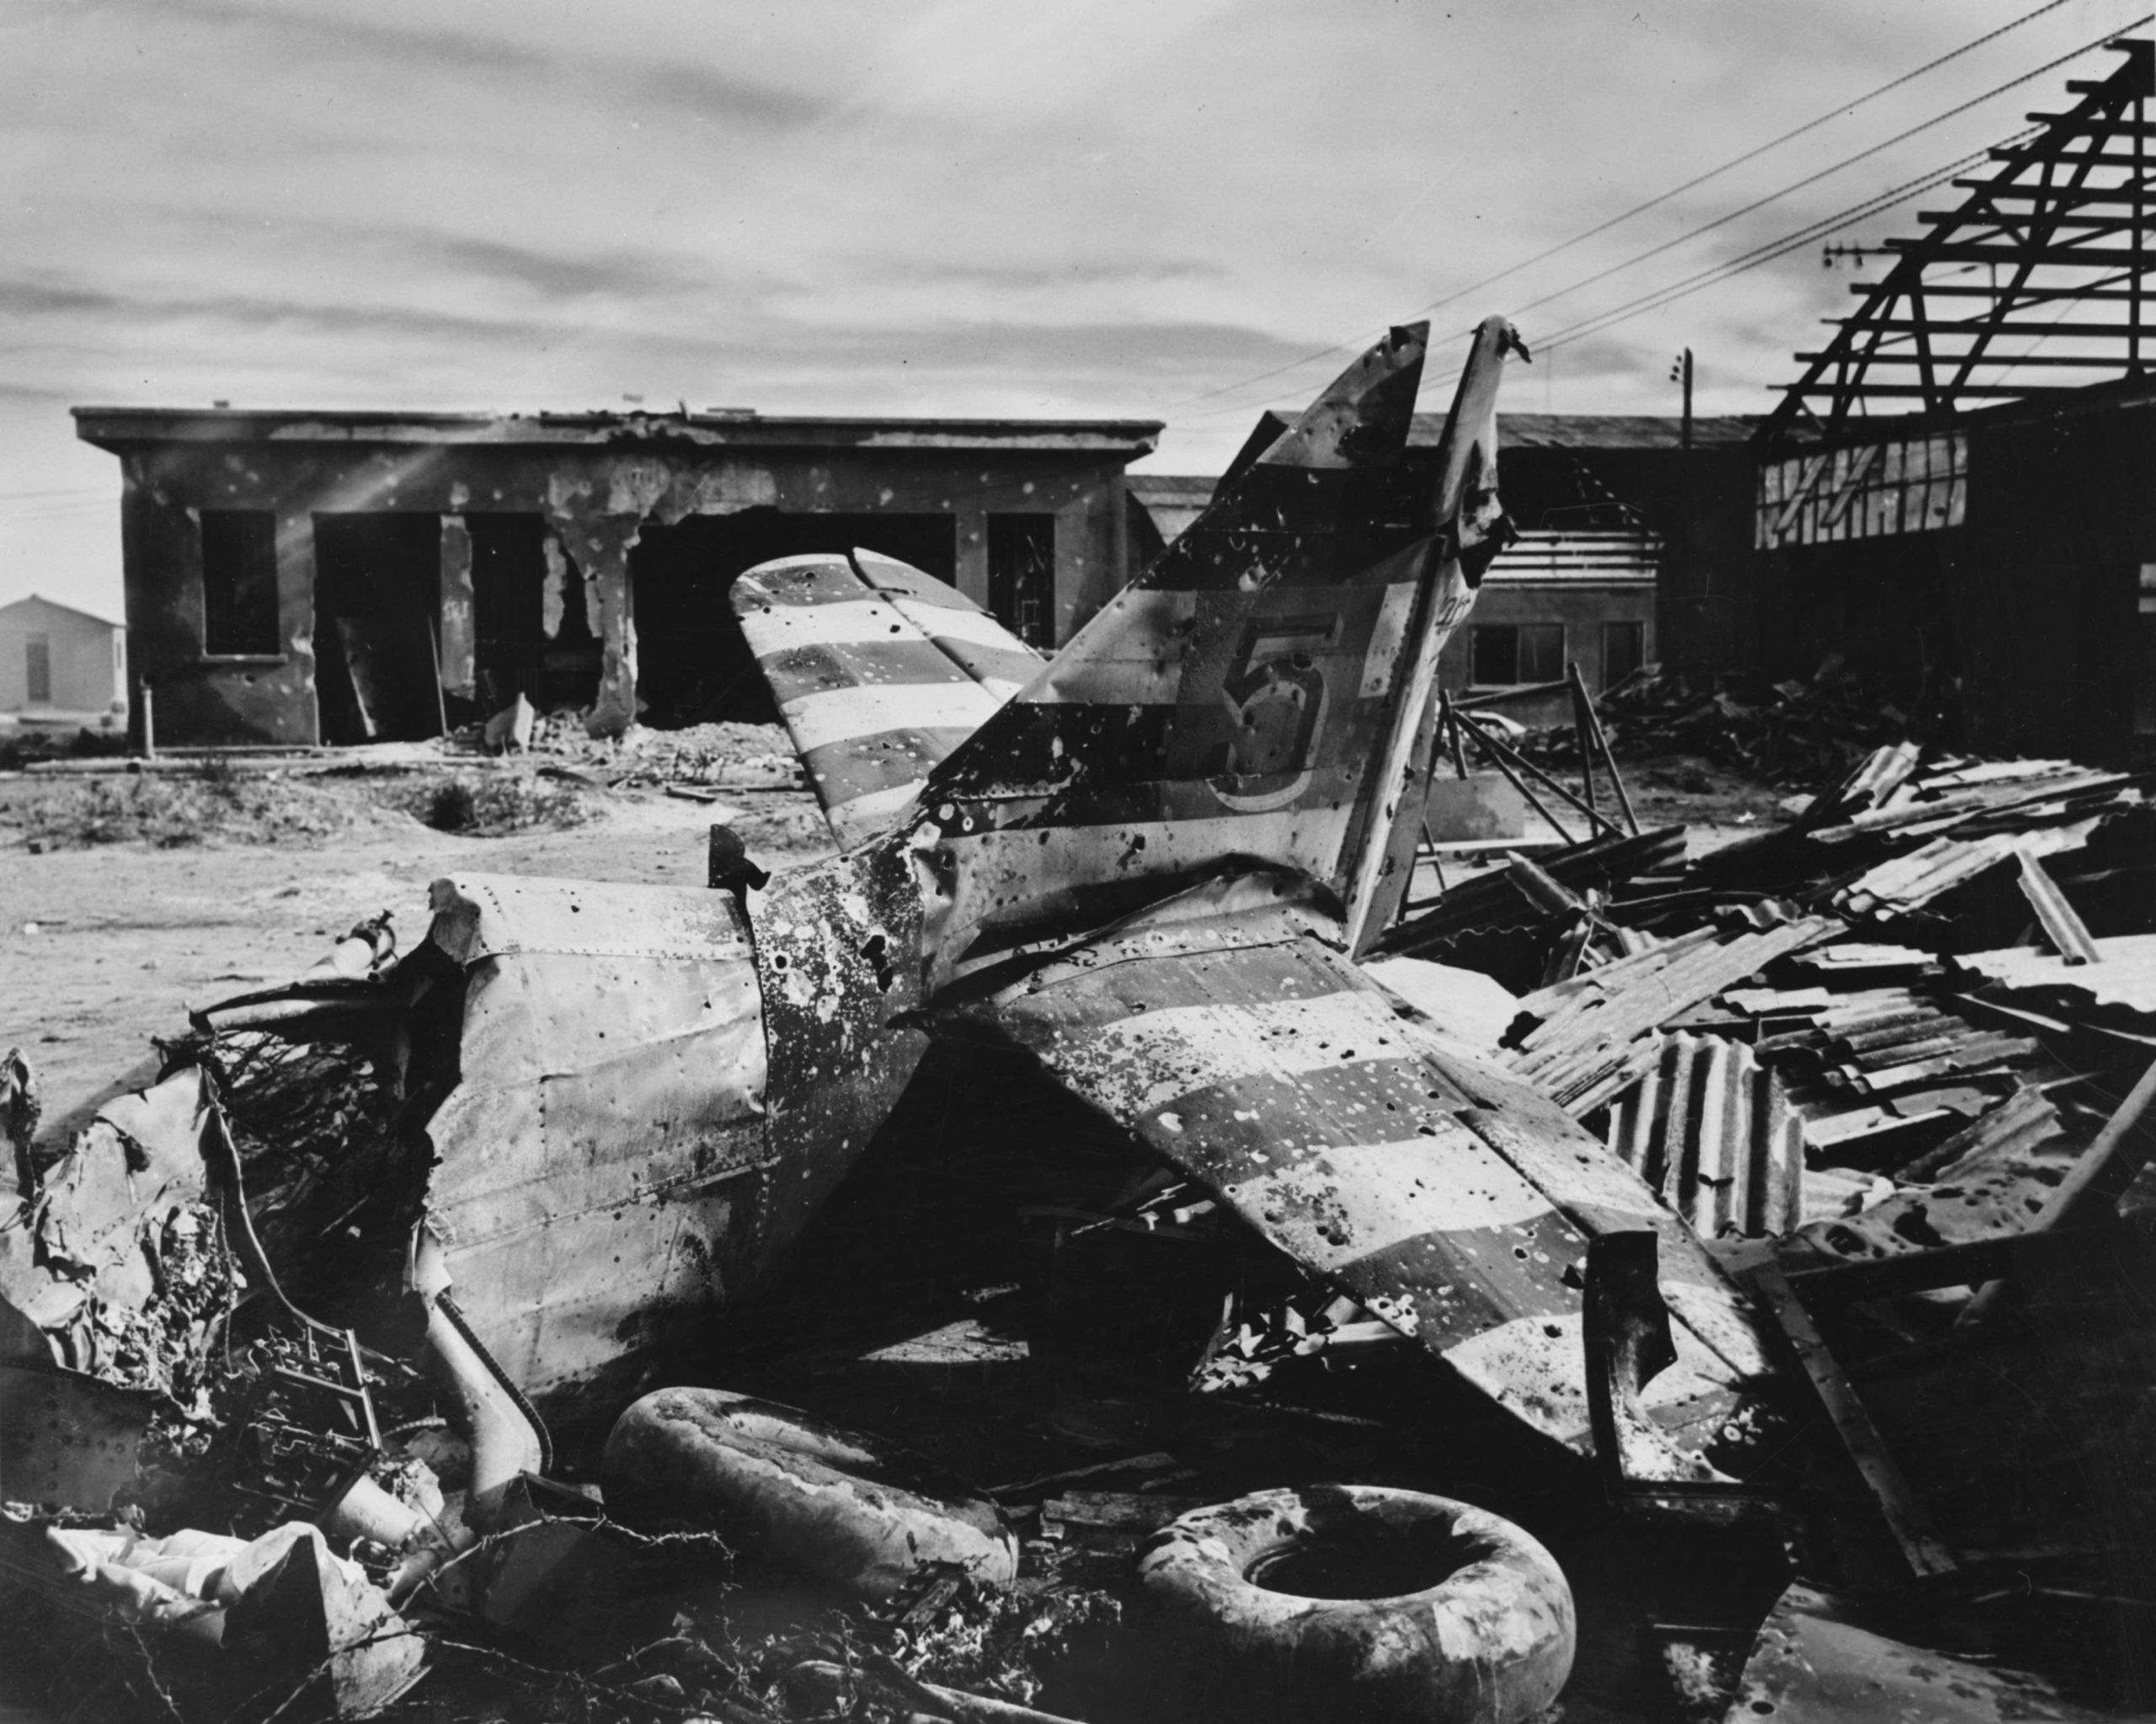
577	1270
1195	815
1151	867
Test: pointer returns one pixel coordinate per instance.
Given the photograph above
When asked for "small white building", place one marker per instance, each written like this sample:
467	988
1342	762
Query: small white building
57	660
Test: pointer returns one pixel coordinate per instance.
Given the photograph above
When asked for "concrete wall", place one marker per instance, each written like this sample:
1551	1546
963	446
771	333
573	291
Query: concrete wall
597	500
87	655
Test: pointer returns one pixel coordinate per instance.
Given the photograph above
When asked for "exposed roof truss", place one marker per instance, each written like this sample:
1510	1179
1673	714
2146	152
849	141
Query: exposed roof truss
2038	285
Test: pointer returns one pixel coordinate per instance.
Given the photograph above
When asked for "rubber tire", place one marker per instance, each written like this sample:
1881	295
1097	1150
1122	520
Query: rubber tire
779	1484
1492	1643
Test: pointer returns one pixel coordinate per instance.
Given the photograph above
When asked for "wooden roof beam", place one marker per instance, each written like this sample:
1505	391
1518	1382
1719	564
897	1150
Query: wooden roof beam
1971	326
2018	297
1903	356
1955	251
2066	197
1972	218
2092	125
1917	391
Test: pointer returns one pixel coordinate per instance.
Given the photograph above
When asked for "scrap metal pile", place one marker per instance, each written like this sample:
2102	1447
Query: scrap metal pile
1796	732
1750	1235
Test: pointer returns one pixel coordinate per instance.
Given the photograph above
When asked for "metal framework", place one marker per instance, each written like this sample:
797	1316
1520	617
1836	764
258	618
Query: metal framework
2053	249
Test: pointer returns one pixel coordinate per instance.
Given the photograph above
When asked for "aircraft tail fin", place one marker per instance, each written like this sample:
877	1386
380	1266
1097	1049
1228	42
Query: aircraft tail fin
1257	694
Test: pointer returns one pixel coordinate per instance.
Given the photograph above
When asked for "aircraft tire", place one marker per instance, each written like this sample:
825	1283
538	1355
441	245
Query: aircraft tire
1469	1620
776	1483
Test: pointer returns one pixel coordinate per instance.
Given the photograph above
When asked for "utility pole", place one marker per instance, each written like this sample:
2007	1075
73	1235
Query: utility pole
1680	370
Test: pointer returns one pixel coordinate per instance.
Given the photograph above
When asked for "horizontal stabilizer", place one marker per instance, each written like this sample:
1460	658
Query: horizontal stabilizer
879	671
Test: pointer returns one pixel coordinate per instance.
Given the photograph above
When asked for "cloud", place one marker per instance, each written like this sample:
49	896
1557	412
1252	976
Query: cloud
1118	207
709	93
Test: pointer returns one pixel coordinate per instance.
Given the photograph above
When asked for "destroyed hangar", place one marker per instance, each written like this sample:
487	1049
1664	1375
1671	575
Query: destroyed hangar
1764	1229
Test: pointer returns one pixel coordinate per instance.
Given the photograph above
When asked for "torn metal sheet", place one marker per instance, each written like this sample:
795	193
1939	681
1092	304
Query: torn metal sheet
1816	1663
1464	1005
1494	899
1990	1179
1579	1051
1449	1200
2121	975
602	1171
1910	882
1262	690
68	1441
1906	1516
120	1254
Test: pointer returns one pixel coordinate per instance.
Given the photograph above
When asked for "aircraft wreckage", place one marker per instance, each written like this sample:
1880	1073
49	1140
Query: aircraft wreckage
1137	886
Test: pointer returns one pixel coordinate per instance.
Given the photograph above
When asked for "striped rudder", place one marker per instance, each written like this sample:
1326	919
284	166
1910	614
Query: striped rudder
879	671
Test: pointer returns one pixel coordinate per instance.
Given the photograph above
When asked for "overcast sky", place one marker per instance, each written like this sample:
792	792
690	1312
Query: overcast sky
1132	208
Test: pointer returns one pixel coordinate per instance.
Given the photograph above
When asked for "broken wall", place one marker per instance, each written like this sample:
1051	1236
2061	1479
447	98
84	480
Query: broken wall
2018	632
597	499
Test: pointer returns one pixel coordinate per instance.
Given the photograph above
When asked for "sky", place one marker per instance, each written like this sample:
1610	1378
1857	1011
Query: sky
1154	209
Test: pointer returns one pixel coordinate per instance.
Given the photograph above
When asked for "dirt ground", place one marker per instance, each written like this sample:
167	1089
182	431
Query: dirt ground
124	902
105	945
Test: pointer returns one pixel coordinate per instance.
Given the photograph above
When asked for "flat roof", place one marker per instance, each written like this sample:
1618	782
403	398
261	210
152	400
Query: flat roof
117	428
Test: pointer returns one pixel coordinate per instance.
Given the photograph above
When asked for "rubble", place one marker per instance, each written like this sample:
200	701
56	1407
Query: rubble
1791	732
1773	1197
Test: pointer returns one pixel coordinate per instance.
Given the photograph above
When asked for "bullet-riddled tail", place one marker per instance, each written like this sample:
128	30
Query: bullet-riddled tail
1260	695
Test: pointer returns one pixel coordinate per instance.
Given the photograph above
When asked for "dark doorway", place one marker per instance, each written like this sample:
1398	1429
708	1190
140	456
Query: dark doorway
377	598
693	665
1022	576
530	636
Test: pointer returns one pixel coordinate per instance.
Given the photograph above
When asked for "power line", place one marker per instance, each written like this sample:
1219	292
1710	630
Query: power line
1751	154
1779	247
1774	248
1713	173
1824	173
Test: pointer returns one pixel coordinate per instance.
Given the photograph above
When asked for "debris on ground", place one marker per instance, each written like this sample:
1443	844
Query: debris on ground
913	1283
1794	732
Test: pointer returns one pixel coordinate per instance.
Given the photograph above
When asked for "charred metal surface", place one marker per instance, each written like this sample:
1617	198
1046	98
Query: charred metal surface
68	1440
1261	690
879	671
602	1168
838	956
119	1255
1258	1062
1815	1663
1905	1513
1630	1343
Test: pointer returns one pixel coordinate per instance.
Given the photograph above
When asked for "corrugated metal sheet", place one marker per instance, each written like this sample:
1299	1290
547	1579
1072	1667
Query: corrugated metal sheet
2123	973
1578	1055
1713	1132
1872	785
1985	1181
1909	882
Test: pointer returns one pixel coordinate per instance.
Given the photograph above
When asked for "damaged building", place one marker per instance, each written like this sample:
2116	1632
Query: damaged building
1620	516
1954	495
307	578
